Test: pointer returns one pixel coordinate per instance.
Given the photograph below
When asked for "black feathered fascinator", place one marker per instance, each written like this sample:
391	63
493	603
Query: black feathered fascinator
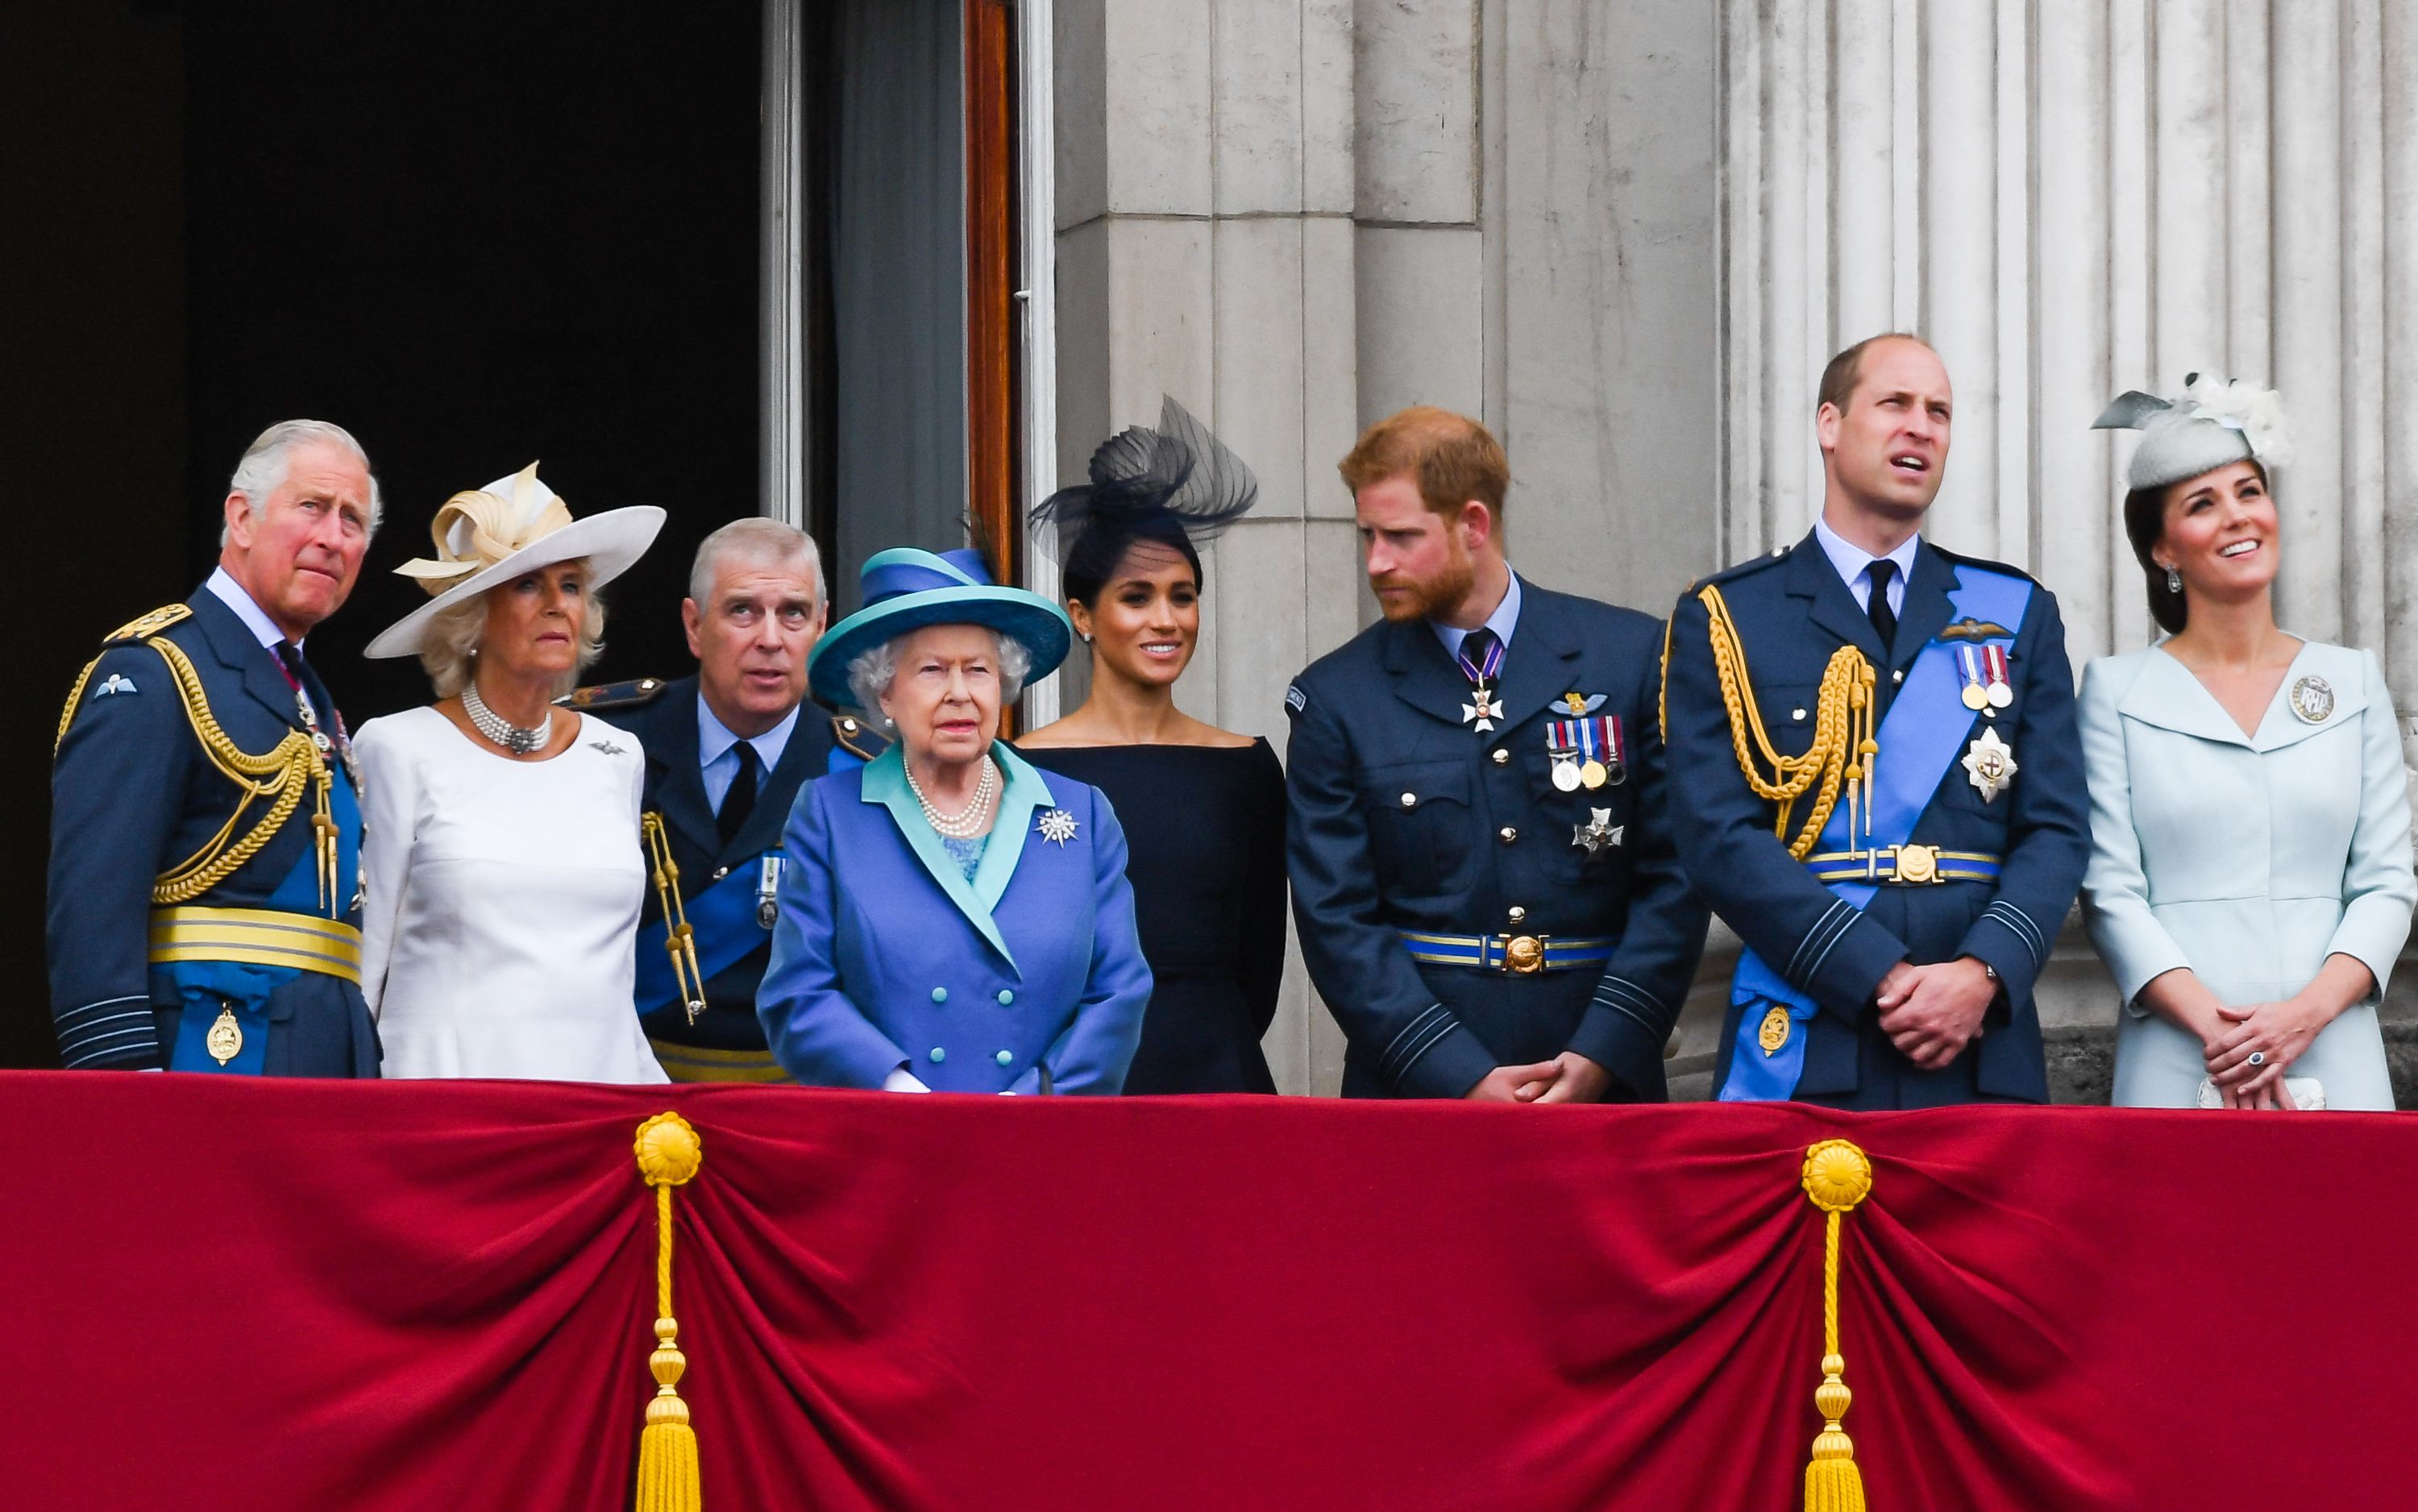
1178	486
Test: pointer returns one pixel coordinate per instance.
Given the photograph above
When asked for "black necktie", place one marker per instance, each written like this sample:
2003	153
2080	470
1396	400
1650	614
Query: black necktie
1884	617
741	799
299	673
1476	648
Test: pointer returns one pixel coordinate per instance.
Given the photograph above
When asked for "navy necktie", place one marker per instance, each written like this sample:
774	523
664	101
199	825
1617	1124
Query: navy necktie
1884	617
740	800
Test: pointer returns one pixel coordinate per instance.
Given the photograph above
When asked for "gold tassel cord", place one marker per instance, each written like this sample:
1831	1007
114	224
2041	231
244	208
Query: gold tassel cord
1836	1176
1844	746
669	1154
680	940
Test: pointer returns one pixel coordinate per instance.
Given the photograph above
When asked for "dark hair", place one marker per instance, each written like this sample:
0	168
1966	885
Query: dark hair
1841	375
1452	458
1174	485
2144	522
1100	547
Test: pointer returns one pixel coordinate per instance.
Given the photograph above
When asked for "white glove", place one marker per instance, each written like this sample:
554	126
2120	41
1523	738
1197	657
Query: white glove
903	1080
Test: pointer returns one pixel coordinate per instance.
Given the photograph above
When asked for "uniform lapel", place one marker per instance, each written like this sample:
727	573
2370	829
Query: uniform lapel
1423	672
885	783
682	796
1536	668
255	664
1812	577
803	759
1926	612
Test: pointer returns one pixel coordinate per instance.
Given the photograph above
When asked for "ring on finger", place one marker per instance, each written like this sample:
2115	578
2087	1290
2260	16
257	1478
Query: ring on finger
2258	1058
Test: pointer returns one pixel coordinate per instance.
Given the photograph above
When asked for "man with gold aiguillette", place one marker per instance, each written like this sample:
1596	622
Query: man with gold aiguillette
727	750
1876	777
205	836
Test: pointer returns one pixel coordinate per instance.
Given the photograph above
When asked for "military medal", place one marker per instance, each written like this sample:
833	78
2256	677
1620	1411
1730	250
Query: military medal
2001	691
1598	834
1991	764
1773	1035
1599	750
1969	672
1483	707
1562	749
225	1039
768	887
2313	699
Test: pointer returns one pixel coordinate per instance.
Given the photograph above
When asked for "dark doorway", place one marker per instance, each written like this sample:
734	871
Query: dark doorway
475	235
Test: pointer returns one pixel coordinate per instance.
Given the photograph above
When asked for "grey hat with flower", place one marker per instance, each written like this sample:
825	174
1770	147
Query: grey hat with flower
2212	423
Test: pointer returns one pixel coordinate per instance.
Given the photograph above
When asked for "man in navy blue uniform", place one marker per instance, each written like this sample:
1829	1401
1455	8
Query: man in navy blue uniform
204	904
1482	869
727	750
1876	777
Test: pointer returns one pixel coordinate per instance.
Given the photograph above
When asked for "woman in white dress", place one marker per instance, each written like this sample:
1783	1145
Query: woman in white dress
501	864
2250	880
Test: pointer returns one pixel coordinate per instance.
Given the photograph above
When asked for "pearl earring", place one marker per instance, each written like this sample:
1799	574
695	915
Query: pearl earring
2174	581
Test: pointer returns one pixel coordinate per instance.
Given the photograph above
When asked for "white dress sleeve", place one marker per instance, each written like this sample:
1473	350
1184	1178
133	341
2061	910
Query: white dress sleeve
388	773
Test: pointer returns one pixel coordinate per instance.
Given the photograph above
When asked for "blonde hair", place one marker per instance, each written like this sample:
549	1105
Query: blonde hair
449	647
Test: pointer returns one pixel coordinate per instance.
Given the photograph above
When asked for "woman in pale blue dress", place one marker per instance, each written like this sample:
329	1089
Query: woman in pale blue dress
2250	882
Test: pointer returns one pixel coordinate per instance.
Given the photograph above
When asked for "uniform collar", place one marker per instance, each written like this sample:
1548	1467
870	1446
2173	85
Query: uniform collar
223	587
714	739
1506	615
1851	561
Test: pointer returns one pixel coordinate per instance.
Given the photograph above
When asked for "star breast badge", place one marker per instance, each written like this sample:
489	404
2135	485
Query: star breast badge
1056	826
1990	762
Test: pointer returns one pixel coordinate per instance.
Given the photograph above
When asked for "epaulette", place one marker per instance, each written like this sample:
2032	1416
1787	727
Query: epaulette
150	624
1986	564
853	737
1737	569
634	694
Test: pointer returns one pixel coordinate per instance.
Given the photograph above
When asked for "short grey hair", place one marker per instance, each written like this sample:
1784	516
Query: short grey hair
870	673
757	540
448	648
267	461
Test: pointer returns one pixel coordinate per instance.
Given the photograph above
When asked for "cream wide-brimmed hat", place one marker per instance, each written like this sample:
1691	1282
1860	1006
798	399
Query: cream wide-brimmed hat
515	524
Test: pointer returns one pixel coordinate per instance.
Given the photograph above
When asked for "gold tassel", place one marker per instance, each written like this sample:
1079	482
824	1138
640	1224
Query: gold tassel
669	1154
1836	1177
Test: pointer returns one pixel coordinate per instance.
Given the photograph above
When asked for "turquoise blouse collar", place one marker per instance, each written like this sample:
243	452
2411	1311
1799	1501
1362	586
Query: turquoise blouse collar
885	783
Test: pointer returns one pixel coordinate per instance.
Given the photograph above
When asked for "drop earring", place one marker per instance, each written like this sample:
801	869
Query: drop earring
2174	581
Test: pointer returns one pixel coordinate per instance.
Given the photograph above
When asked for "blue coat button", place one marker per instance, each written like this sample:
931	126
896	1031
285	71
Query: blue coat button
939	1055
1003	1057
1005	997
939	994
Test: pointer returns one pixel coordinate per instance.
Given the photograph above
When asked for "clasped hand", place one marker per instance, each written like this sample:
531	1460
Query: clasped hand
1568	1077
1931	1013
2278	1033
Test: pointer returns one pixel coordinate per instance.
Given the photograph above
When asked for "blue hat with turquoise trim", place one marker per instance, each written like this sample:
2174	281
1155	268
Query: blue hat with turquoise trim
905	589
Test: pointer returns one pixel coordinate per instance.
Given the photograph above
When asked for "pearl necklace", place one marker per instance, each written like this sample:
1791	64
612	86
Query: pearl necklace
520	739
967	822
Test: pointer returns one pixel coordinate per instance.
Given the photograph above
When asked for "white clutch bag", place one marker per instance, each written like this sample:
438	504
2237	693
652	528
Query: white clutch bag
2308	1093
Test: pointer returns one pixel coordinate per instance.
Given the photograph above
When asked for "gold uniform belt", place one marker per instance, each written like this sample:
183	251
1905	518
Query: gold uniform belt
256	936
1906	865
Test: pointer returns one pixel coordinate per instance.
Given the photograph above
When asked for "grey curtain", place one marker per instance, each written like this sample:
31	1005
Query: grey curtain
897	240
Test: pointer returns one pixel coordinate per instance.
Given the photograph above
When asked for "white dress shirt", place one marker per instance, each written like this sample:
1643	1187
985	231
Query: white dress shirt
222	586
1855	565
717	751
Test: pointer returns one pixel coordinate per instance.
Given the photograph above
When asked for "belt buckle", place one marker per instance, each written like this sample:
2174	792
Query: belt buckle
1916	864
1522	955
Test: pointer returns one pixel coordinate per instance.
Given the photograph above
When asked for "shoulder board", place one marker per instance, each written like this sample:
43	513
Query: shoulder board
1752	564
854	738
1985	564
634	694
150	624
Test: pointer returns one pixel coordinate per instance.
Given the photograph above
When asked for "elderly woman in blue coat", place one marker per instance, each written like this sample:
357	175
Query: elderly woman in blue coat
950	918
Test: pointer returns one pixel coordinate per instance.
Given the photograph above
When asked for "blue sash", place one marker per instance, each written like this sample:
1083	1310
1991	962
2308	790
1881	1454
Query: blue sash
204	988
1927	723
723	918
